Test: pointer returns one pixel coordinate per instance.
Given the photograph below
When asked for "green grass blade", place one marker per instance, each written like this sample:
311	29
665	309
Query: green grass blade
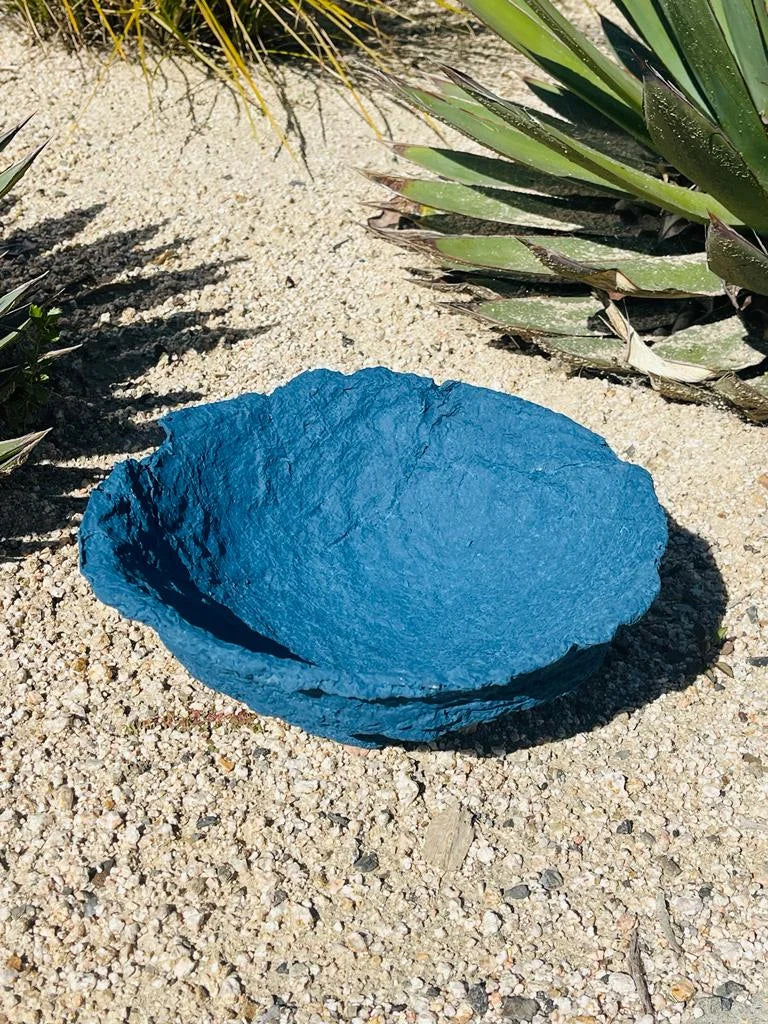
700	39
694	145
9	300
736	260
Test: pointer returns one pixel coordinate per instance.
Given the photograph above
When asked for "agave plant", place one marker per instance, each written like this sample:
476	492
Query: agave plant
622	228
26	333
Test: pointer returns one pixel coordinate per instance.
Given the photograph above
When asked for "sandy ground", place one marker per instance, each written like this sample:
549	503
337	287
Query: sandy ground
165	856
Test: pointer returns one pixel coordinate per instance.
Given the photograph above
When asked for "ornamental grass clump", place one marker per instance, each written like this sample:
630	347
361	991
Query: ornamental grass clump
237	40
624	228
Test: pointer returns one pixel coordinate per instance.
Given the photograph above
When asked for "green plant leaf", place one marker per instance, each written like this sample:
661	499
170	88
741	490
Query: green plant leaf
517	23
741	25
10	135
700	39
12	174
538	314
502	138
600	264
592	353
501	206
692	205
698	148
16	449
736	260
719	347
9	300
649	23
473	169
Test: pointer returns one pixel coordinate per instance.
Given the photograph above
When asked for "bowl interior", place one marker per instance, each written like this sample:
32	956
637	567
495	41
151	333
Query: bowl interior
382	524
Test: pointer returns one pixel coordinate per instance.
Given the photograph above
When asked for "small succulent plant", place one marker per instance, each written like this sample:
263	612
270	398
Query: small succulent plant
26	334
623	228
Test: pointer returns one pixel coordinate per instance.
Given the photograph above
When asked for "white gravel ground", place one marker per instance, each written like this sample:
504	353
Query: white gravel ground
166	856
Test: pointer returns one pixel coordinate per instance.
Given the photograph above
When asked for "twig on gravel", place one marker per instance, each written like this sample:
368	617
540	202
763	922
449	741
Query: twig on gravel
636	969
666	923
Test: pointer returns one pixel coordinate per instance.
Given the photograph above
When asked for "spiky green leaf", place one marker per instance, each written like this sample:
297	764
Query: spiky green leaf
16	449
698	148
719	347
735	259
547	315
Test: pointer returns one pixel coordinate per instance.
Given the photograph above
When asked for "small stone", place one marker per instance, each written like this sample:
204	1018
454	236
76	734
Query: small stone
621	983
517	892
730	988
715	1004
407	790
624	828
183	967
669	866
366	862
14	962
477	998
682	990
519	1008
230	988
225	873
448	838
65	798
491	923
551	879
226	764
357	941
7	976
207	821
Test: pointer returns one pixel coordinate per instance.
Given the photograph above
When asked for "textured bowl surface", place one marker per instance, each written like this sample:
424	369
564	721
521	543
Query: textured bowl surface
376	557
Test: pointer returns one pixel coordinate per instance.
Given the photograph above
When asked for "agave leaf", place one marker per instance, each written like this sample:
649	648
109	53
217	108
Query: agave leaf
676	391
540	31
627	273
693	205
537	314
472	169
502	206
742	30
12	174
10	135
648	21
750	396
634	270
700	40
589	353
719	347
501	138
647	360
698	148
614	76
16	449
736	260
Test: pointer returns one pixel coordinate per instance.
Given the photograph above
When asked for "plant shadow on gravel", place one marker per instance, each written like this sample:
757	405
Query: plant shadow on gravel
674	642
108	291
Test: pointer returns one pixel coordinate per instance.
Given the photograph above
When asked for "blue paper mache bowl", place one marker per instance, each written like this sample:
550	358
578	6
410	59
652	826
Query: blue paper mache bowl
375	557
